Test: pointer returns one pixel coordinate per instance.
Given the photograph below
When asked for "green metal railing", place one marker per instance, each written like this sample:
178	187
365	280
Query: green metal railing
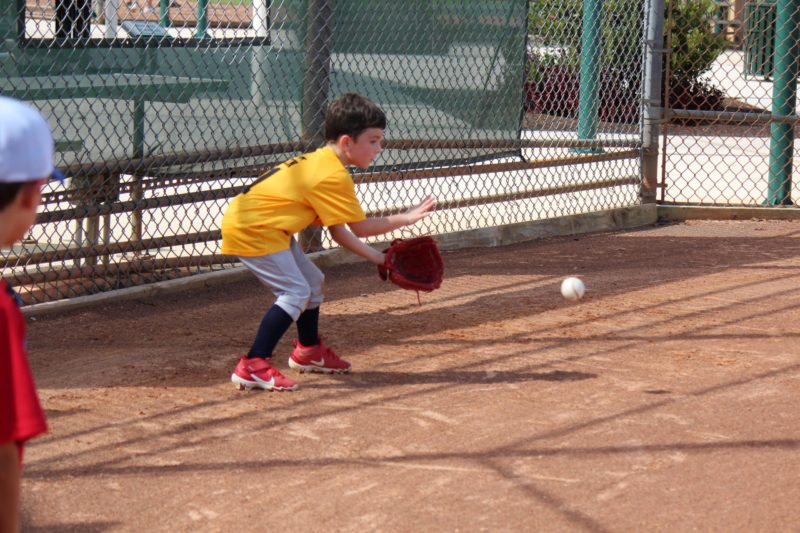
759	38
730	140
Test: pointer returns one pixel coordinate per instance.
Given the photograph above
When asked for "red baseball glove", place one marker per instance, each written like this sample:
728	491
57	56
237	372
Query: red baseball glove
414	264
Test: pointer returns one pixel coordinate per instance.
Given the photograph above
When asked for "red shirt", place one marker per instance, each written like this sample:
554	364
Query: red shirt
21	415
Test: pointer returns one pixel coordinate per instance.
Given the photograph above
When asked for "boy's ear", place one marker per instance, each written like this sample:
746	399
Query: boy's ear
345	141
29	194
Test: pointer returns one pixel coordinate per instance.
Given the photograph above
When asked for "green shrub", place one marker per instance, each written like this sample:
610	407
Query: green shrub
558	23
694	45
555	28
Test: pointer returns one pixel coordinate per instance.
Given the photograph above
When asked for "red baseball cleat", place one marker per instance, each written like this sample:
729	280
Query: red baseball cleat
317	358
258	373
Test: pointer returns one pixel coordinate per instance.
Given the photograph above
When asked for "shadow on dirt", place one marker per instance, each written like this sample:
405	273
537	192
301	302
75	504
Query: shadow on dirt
78	527
196	334
370	379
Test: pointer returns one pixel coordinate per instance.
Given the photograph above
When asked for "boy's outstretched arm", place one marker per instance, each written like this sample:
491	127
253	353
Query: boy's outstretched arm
381	225
345	238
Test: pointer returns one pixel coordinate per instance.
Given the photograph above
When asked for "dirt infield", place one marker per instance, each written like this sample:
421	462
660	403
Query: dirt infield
668	399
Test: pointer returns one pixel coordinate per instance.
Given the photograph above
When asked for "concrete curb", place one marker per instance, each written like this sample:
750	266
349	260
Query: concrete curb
614	219
679	213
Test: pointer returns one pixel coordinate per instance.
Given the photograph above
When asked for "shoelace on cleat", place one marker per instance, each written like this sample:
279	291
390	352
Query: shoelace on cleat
271	371
330	355
274	372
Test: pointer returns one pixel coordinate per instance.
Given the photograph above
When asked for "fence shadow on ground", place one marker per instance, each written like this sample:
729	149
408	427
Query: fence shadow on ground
196	333
522	290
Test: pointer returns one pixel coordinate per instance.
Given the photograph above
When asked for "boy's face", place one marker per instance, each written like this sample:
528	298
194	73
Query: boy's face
24	211
363	150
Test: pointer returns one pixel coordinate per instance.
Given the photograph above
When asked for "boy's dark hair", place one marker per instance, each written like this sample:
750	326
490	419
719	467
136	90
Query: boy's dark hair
9	191
351	114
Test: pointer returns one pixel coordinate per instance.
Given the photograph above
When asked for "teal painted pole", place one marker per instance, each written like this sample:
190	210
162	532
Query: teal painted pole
591	59
163	13
784	95
202	19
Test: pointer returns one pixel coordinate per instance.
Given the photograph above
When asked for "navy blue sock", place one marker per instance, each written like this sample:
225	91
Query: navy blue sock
274	324
308	327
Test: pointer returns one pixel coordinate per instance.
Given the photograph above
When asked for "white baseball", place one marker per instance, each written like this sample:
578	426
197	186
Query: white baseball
572	289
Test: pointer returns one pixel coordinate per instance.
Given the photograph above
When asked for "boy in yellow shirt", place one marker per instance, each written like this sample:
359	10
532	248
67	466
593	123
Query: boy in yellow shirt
259	227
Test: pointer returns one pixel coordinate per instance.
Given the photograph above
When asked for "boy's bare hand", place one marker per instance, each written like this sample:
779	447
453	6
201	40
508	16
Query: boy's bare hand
419	212
380	225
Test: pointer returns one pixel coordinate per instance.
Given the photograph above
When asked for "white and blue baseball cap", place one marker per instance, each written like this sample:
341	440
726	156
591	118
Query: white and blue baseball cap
26	144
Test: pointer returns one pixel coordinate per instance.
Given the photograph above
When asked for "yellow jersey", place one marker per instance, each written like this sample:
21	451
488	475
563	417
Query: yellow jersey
314	188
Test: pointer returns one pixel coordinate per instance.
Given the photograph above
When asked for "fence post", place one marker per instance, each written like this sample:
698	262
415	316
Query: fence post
316	85
652	111
317	66
163	13
137	192
784	94
201	31
591	59
260	18
259	84
111	18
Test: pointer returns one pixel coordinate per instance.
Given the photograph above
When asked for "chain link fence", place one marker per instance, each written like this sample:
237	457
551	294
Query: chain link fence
730	135
162	110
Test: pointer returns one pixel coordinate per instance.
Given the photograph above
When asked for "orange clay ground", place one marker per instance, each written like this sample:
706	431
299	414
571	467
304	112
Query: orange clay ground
668	399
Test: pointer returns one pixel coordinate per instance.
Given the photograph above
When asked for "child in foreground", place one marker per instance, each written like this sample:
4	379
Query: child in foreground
259	227
26	162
